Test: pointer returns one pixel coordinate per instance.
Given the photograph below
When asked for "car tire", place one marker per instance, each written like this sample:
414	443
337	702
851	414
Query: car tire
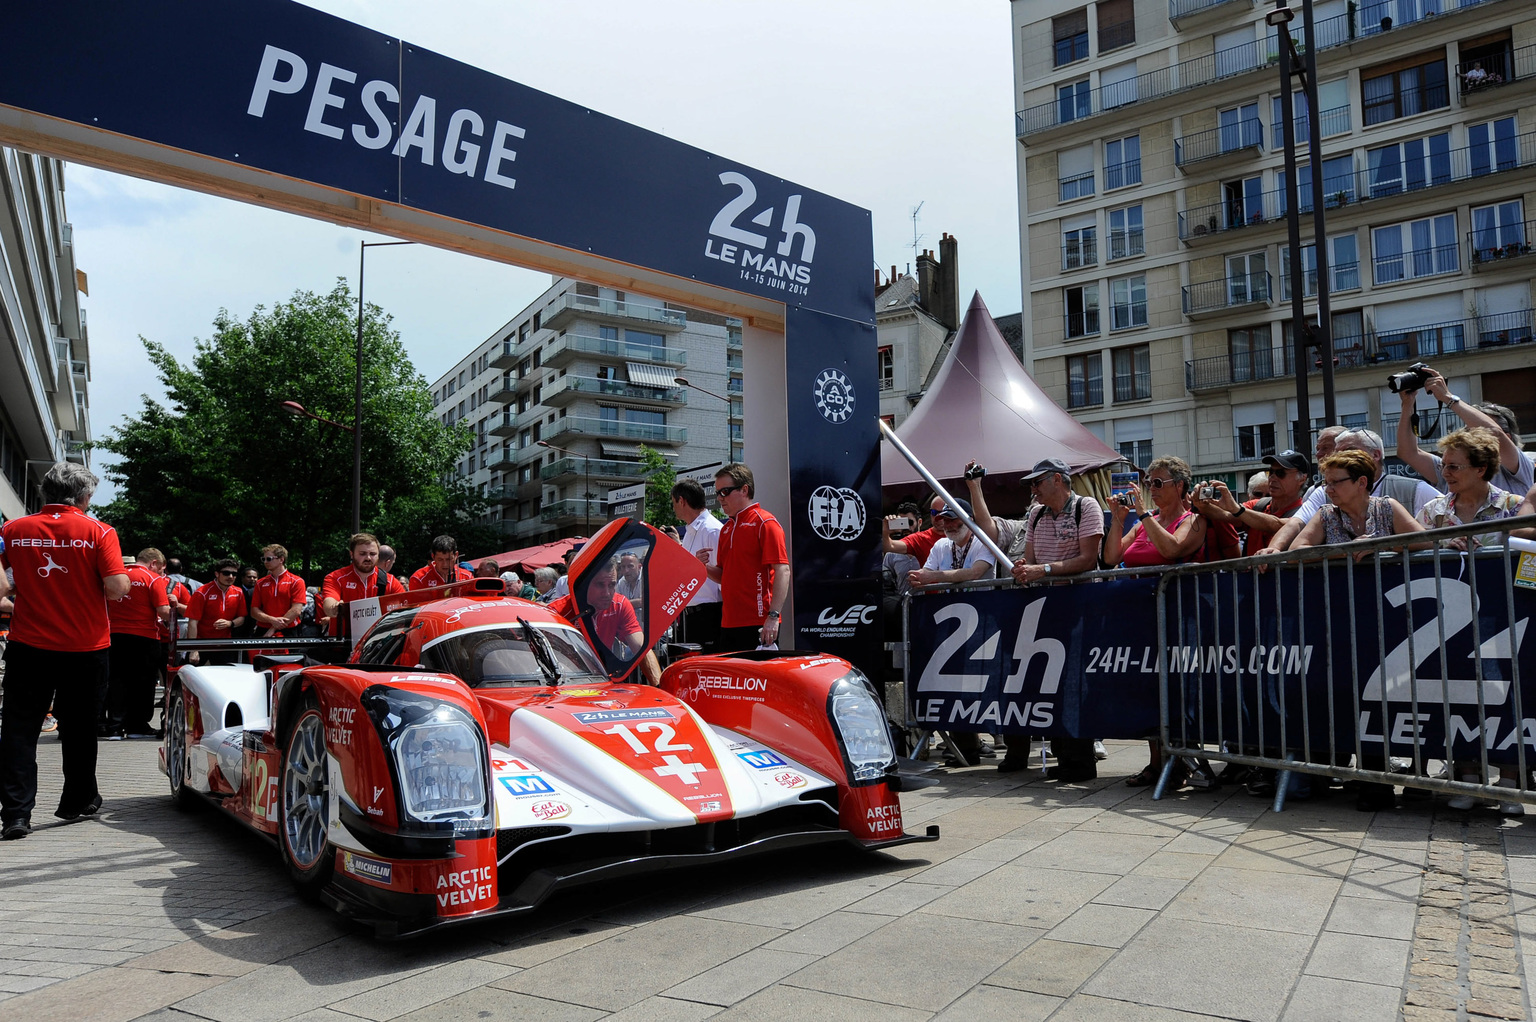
304	800
176	751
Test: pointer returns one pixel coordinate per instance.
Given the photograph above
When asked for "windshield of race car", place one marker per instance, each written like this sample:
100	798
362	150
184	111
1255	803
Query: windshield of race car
498	656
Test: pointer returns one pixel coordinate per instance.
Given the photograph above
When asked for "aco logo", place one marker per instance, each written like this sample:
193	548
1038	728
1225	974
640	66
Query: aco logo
836	513
834	395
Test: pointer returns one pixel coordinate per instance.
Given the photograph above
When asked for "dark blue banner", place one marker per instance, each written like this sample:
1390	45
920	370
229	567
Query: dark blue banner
1285	661
280	87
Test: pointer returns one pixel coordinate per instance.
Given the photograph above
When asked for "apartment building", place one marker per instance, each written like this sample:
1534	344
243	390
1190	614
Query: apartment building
562	397
1152	212
45	358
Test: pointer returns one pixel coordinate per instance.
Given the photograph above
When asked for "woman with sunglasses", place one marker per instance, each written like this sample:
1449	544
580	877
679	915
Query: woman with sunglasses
216	610
1167	533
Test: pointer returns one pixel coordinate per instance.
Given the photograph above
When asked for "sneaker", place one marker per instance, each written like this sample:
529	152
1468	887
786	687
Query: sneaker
113	736
91	808
1099	752
49	725
16	830
1512	808
137	734
1460	802
1071	774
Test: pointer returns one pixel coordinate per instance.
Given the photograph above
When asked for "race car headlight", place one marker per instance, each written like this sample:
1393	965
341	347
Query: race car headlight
442	773
439	756
861	729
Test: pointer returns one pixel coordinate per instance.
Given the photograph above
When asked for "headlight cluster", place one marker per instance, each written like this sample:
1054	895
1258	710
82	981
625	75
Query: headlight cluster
861	727
440	758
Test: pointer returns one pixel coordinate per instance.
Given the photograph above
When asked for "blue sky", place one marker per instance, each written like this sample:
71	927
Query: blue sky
883	105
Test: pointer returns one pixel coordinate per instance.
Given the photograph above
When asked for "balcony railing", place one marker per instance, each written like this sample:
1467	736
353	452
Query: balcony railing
1332	122
1434	340
1075	187
1496	69
1229	292
1122	175
1414	263
1446	168
592	386
1179	9
1079	253
1378	16
733	385
1345	276
1082	324
576	508
598	468
1181	77
505	355
577	344
1124	244
569	306
646	432
1222	141
1496	246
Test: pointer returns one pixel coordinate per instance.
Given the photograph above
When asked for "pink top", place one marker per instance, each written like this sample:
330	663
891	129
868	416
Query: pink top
1141	553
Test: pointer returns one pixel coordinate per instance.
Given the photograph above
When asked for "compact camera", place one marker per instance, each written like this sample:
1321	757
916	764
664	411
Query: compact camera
1207	493
975	471
1410	379
1125	500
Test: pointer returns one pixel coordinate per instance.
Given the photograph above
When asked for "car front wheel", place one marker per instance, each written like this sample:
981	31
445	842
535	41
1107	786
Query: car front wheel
305	802
176	750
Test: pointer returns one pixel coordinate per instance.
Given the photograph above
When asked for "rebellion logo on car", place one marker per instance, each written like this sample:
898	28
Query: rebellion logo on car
790	779
604	716
368	869
550	810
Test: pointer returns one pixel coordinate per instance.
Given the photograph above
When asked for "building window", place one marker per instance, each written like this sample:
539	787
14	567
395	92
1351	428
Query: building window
1125	233
1498	231
1133	373
1409	165
1420	248
1240	128
1243	201
1405	91
1247	279
886	364
1343	267
1079	246
1074	171
1118	85
1070	32
1122	162
1082	307
1491	146
1255	442
1073	101
1085	380
1117	23
1133	438
1251	355
1128	302
1338	184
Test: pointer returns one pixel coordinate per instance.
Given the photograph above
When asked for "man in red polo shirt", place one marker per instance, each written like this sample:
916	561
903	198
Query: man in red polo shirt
66	566
917	544
444	568
278	598
136	620
753	568
217	609
358	580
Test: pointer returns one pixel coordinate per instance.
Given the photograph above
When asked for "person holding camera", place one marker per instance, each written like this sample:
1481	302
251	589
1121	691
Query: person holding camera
1263	516
1471	458
1516	469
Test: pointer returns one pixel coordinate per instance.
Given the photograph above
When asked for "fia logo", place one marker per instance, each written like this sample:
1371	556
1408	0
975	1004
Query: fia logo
834	396
836	513
748	249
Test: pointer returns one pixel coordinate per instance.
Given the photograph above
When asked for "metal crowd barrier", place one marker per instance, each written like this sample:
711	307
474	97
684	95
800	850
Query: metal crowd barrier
1283	662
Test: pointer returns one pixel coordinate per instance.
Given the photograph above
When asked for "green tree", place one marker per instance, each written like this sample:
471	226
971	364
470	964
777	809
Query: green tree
220	469
659	477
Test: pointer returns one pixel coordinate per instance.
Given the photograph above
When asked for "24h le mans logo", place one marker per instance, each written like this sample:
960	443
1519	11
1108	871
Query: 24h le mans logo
834	396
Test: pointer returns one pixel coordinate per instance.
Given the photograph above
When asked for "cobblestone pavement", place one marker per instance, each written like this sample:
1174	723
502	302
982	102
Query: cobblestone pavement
1040	902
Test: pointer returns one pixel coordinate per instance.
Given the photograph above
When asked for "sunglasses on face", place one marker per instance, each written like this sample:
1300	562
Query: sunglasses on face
229	573
726	491
1158	484
268	558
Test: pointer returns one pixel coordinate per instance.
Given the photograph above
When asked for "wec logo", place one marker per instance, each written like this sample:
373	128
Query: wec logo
858	614
746	248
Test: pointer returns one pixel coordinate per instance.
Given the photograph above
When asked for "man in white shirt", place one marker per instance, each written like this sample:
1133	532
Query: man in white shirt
700	531
958	557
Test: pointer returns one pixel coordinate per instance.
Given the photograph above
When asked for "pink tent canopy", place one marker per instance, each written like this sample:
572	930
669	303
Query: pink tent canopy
983	405
542	556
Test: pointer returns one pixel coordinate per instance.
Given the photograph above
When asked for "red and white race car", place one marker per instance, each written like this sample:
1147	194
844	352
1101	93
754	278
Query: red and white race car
480	752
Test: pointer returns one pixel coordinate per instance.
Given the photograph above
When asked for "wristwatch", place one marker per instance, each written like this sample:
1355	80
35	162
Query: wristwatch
1047	569
1239	512
1452	399
774	614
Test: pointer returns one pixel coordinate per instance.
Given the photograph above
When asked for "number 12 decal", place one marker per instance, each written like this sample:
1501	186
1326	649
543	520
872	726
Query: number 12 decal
664	743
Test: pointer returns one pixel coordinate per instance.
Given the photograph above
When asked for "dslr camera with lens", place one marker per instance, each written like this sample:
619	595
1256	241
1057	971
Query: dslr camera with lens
1412	378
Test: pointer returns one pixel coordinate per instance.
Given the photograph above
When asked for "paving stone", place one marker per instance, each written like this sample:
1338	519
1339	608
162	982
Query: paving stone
899	899
1351	956
989	1002
1104	925
1295	903
541	947
1023	895
247	946
104	995
392	1000
829	933
1083	1008
782	1003
488	1004
1372	917
1148	892
1321	999
644	961
740	977
1088	852
1051	967
664	1009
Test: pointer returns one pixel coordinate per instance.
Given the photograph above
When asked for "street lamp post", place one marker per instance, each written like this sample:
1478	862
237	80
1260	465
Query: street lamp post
683	382
586	460
357	397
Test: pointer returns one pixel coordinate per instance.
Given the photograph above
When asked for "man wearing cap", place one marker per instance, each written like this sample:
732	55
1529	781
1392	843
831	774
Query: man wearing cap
563	584
1059	537
1263	517
957	557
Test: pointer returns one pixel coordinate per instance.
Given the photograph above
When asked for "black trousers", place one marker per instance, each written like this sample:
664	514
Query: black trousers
701	624
135	668
74	685
735	640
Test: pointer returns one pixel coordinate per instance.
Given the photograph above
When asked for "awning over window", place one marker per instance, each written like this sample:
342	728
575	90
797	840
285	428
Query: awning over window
650	376
630	451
